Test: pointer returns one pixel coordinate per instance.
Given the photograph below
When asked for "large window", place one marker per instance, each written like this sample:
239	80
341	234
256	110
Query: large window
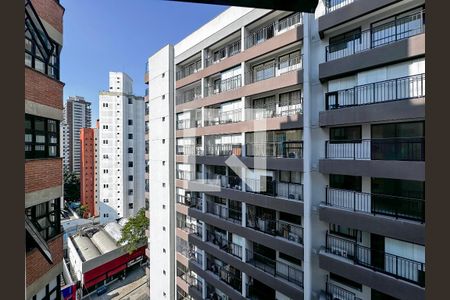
46	219
351	134
34	58
345	182
41	137
341	41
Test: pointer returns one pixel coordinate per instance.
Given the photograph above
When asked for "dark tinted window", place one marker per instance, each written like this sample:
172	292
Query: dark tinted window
342	134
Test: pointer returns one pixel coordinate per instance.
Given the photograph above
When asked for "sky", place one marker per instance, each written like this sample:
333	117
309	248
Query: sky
119	35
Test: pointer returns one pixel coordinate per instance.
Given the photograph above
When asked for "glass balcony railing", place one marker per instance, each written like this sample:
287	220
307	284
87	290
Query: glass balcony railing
227	213
217	117
288	149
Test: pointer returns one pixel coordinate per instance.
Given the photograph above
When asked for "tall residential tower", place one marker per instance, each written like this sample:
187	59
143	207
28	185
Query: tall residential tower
289	152
121	145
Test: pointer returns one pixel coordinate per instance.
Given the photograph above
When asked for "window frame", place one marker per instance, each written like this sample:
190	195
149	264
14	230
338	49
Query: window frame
48	136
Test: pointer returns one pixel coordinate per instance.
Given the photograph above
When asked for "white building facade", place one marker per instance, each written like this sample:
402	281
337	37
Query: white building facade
120	150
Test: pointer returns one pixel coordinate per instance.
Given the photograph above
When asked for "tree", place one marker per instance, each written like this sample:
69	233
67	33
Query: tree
71	186
133	233
83	211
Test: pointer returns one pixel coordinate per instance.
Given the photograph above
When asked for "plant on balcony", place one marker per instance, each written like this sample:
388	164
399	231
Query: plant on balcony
133	232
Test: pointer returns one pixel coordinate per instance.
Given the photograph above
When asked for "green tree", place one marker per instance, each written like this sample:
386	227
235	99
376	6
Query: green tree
71	186
133	233
83	210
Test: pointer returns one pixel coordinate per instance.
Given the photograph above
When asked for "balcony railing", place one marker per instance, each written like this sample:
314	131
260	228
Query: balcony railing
406	149
377	260
191	279
235	281
289	190
189	227
269	31
275	268
273	112
189	69
273	69
283	229
223	150
190	150
333	292
185	175
225	245
216	117
290	149
189	95
229	182
228	51
224	85
332	5
189	123
192	202
224	212
377	204
390	32
389	90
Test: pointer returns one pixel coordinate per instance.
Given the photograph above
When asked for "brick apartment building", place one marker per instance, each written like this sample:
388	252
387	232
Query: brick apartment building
87	171
43	162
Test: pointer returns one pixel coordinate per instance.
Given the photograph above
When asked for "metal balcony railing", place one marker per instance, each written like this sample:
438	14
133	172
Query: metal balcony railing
333	292
332	5
389	90
223	85
189	69
214	116
190	201
189	227
225	245
190	150
185	175
279	228
190	278
406	149
274	111
188	123
380	35
229	182
233	280
377	204
273	69
227	213
264	33
223	150
274	188
275	268
189	95
377	260
289	149
226	51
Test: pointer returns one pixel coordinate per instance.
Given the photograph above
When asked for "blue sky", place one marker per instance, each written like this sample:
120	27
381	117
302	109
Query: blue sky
119	35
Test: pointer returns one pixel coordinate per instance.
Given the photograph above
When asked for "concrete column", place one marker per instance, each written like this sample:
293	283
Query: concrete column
203	55
243	35
244	284
243	116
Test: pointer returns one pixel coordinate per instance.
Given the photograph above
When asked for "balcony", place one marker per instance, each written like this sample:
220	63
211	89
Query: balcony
378	36
223	150
226	51
225	245
275	268
379	261
376	204
189	201
275	112
288	149
225	275
275	68
383	91
333	291
189	95
189	228
287	190
189	69
227	213
278	228
223	85
190	150
188	123
219	117
267	32
403	149
190	278
224	181
186	175
332	5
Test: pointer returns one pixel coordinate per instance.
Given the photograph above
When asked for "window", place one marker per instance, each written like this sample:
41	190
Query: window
288	21
130	150
163	141
105	104
345	182
340	42
130	164
264	71
130	205
163	75
346	232
106	200
130	136
164	184
105	126
105	171
105	186
289	60
350	134
163	119
130	101
163	97
290	258
163	162
105	142
345	281
130	192
46	219
105	156
41	137
130	177
130	122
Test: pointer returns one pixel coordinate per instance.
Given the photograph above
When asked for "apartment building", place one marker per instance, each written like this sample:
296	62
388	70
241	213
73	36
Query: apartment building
88	171
147	178
298	164
120	150
77	113
43	161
